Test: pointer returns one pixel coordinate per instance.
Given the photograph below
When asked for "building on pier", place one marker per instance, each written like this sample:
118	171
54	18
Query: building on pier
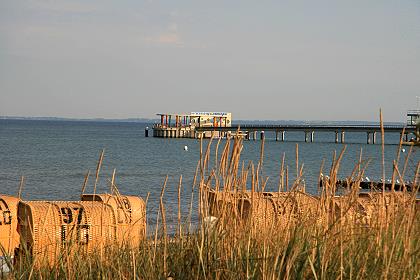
413	117
184	125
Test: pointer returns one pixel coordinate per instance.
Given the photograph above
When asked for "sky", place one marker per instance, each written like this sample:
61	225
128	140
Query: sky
266	60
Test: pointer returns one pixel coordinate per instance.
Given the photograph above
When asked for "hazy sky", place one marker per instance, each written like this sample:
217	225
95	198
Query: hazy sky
301	60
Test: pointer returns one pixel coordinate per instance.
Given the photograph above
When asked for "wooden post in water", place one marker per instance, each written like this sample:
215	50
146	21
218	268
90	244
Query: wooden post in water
312	136
342	137
282	136
368	138
336	137
374	137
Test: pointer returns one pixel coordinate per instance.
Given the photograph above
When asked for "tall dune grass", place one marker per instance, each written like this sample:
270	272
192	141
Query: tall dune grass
329	237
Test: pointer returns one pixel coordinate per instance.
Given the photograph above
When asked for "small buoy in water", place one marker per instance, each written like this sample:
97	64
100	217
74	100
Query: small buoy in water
367	179
185	148
403	150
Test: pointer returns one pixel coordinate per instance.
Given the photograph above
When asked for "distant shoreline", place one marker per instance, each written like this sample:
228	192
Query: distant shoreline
138	120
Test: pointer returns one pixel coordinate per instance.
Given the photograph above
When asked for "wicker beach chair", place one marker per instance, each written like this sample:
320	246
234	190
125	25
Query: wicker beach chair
9	236
265	211
130	213
53	229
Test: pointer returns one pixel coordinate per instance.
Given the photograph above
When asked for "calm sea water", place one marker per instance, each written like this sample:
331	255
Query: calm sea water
54	156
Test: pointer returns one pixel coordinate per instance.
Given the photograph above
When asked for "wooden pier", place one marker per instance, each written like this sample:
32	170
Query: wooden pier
219	125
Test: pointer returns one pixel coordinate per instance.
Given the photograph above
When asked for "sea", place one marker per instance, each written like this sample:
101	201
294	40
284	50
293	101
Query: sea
54	156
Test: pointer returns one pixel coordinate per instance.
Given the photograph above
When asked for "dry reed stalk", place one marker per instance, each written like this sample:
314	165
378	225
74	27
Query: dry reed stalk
334	157
398	159
320	176
145	207
281	175
222	160
21	184
98	169
353	178
134	262
226	159
406	160
179	208
113	179
216	154
383	212
416	177
334	172
201	158
383	150
233	157
330	188
360	160
399	175
192	197
118	198
157	220
165	236
207	155
257	178
297	160
85	183
262	153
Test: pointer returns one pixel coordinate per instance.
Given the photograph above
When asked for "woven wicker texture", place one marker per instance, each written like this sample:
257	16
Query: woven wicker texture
9	236
49	228
372	203
265	210
349	209
130	213
362	208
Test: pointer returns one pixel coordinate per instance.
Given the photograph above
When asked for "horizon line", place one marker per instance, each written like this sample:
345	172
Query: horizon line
144	119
